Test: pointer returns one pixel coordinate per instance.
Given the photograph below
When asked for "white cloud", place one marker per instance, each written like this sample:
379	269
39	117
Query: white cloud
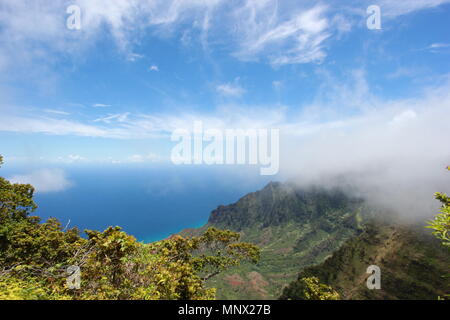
45	180
71	158
139	158
230	89
153	68
438	47
336	105
101	105
342	24
389	152
389	156
397	8
36	124
63	113
298	39
280	32
403	118
120	117
132	57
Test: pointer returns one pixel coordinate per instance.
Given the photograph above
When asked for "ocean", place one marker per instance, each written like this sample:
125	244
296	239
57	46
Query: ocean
148	202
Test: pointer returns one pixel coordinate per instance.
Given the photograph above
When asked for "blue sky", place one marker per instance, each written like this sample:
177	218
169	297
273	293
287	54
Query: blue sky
113	91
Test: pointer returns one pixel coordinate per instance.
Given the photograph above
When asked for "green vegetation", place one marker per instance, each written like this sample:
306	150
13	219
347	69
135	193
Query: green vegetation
413	265
34	258
294	229
325	235
311	289
441	223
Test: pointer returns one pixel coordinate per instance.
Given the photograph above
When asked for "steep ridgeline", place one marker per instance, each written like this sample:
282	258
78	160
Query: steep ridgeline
413	264
294	228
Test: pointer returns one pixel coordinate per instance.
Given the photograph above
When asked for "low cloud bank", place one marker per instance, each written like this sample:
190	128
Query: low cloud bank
45	180
394	156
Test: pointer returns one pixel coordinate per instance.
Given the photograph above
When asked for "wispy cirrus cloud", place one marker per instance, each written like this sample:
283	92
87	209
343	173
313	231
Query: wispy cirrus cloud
393	9
438	47
59	112
277	32
264	32
120	117
48	125
354	98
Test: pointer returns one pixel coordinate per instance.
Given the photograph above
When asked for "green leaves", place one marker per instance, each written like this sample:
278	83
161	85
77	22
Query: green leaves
310	288
314	290
192	261
16	200
441	223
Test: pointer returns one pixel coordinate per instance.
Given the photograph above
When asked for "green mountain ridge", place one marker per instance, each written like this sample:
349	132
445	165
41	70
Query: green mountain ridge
413	265
294	228
302	229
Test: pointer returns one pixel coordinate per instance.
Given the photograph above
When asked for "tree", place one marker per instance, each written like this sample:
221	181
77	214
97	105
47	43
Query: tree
310	288
16	200
194	260
441	223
